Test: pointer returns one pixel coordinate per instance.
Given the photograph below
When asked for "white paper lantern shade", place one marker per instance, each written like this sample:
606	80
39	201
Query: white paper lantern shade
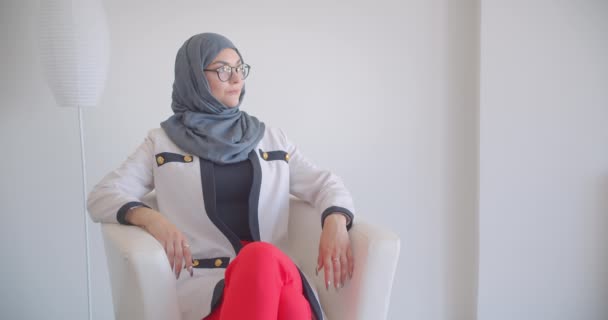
74	50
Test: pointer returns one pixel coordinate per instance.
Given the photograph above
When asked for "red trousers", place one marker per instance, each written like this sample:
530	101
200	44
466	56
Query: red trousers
262	283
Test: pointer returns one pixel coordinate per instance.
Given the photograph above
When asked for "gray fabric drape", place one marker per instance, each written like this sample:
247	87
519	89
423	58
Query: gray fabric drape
202	125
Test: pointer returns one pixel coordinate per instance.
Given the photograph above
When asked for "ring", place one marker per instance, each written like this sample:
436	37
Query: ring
185	245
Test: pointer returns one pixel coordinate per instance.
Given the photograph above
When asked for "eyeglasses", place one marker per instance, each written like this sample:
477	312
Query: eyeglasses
224	73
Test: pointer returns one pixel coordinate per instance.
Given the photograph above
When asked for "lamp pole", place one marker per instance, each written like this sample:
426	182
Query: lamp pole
84	209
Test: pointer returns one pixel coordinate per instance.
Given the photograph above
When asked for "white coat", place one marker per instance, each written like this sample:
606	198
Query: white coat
185	193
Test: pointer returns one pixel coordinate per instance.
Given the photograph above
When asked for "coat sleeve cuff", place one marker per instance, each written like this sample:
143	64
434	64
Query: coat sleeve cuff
349	215
122	212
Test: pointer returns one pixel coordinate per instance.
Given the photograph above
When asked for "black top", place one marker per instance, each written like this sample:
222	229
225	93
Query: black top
233	184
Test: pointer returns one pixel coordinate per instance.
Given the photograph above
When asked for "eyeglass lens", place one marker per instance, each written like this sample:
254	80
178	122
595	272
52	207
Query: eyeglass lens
225	72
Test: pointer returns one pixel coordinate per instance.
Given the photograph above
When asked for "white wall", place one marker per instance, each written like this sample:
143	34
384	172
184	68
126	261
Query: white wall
544	160
42	273
384	93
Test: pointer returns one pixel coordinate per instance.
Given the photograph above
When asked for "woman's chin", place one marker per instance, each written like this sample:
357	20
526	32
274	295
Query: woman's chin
231	104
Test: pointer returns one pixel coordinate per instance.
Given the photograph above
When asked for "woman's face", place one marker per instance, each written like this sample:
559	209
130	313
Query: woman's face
227	92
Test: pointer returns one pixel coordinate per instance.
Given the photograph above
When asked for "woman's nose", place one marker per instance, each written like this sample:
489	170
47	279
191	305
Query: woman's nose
235	76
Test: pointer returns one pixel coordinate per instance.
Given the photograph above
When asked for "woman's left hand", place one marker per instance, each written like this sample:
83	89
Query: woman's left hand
335	253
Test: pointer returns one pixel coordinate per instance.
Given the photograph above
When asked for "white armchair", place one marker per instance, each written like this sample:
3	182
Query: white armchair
143	286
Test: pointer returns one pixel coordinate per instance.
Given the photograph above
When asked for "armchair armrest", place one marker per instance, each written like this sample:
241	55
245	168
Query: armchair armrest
375	251
143	286
367	296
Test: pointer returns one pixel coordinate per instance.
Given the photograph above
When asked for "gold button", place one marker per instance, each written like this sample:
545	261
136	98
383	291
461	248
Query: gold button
160	160
287	156
265	156
195	263
188	158
218	262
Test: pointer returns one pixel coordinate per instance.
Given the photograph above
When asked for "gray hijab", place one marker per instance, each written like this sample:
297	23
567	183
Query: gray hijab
202	125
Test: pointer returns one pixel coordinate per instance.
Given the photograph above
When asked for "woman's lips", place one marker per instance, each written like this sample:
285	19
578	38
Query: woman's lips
234	92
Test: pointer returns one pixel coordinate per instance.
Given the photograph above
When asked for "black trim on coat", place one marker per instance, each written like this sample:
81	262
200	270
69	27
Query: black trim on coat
208	182
315	307
166	157
274	155
218	294
212	263
254	197
349	215
122	212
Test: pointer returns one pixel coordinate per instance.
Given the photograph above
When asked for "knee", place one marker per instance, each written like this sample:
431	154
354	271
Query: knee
262	259
260	249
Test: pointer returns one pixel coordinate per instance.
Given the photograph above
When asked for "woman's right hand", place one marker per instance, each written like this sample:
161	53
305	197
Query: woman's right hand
175	244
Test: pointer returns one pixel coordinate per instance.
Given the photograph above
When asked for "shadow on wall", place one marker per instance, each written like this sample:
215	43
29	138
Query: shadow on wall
460	160
601	232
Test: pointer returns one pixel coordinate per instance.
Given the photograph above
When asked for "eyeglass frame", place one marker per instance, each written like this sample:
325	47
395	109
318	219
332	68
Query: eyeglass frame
232	69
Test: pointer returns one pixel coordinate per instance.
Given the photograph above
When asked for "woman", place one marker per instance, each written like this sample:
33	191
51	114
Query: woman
222	181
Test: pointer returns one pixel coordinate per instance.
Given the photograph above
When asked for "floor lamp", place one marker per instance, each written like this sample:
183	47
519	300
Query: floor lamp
75	54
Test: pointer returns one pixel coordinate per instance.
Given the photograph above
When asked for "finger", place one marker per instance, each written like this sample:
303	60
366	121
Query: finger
319	263
351	262
327	271
187	257
336	270
179	258
170	253
343	269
